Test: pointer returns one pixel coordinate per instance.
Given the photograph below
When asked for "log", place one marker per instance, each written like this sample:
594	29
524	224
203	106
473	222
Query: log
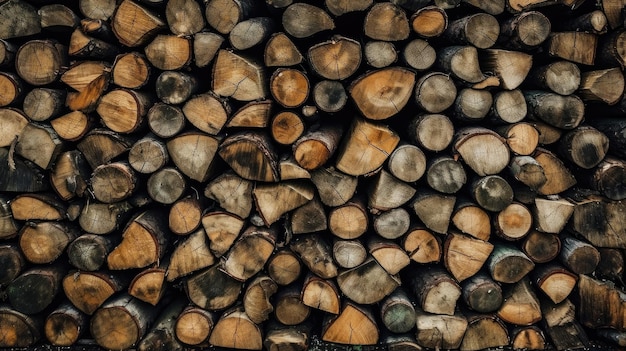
43	207
585	146
386	22
150	285
289	307
388	254
561	45
480	30
407	162
379	53
436	291
555	281
607	178
162	332
611	265
184	17
513	222
542	247
521	137
349	253
386	192
474	143
65	325
445	175
18	329
131	70
381	93
530	337
223	15
11	87
237	77
113	182
492	193
507	264
397	312
433	132
605	86
336	59
422	246
419	54
289	87
281	51
121	322
19	20
13	261
471	219
435	92
526	30
429	21
561	325
35	70
194	326
190	255
561	77
579	256
175	87
315	147
482	294
35	289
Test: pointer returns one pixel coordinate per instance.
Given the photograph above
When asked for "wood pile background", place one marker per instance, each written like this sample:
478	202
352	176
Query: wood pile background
252	174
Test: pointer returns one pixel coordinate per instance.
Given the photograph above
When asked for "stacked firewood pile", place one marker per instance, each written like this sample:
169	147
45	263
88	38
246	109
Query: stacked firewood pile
252	174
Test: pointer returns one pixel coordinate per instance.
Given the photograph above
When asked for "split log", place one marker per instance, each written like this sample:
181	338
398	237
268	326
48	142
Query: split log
473	144
131	70
190	255
135	25
471	219
555	281
440	330
222	229
304	20
143	243
13	261
150	284
321	294
162	332
463	256
212	289
484	331
434	210
355	325
89	290
499	62
521	304
249	253
561	44
367	283
256	299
